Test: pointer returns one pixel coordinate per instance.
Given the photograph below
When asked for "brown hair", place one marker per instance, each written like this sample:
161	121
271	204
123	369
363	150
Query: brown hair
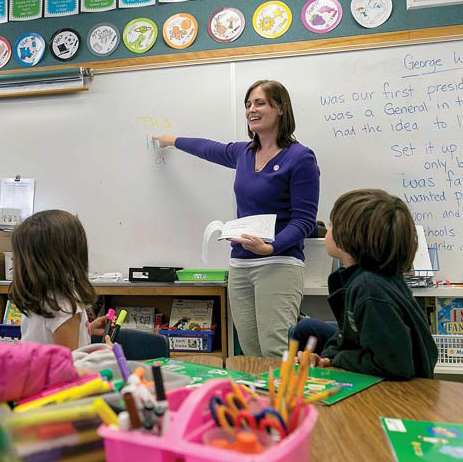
278	97
50	259
376	229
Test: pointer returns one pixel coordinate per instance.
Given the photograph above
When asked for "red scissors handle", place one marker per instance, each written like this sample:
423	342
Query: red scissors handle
270	425
245	419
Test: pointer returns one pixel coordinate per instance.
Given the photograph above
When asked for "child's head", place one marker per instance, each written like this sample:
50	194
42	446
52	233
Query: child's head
375	229
50	259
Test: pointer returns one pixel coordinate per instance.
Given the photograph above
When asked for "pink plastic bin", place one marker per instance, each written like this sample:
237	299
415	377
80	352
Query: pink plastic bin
190	418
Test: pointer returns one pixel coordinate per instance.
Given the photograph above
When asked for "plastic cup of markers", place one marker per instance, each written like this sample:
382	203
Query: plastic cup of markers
245	441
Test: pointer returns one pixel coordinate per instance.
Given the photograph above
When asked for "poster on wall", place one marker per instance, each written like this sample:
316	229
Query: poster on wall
60	8
25	10
135	3
180	30
3	11
5	51
94	6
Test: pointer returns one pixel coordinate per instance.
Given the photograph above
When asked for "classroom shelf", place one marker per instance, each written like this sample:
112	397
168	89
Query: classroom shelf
443	291
161	296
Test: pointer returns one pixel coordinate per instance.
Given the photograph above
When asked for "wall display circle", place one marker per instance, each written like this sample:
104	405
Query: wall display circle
321	16
5	51
226	25
64	44
272	19
103	39
29	49
369	13
180	30
140	35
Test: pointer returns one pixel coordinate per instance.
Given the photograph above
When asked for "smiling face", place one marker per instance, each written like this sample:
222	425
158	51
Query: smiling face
261	116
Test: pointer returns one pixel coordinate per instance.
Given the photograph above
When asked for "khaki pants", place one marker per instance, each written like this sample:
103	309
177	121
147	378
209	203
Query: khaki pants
265	302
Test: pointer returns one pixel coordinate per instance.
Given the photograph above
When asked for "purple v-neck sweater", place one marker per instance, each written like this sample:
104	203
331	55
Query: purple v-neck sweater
287	186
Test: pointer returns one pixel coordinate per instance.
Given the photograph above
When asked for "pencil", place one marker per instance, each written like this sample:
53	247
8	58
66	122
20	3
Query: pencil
236	388
322	395
271	387
292	386
293	346
311	344
304	369
283	379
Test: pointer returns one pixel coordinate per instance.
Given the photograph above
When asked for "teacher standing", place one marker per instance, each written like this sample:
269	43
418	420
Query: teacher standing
274	174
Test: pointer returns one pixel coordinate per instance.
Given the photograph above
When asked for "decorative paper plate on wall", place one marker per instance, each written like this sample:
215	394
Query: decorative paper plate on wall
272	19
140	35
226	25
180	30
321	16
5	51
103	39
65	44
29	49
370	13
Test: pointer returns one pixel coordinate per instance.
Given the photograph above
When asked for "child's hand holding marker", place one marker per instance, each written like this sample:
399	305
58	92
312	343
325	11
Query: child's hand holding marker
98	326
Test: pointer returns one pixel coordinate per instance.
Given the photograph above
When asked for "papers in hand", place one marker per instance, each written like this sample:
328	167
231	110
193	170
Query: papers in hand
262	226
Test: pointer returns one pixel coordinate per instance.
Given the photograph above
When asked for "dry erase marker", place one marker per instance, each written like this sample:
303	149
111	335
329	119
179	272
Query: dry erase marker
107	328
149	416
121	361
106	414
117	327
131	407
162	406
53	390
93	387
47	416
124	420
30	450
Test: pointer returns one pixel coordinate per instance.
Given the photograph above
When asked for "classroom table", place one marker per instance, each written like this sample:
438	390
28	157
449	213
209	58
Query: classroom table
350	430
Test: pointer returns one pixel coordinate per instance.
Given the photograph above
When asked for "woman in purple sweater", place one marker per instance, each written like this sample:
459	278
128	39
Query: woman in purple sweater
274	174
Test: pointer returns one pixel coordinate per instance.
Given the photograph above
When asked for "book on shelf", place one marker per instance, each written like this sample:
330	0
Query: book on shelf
430	311
138	317
449	315
12	316
191	314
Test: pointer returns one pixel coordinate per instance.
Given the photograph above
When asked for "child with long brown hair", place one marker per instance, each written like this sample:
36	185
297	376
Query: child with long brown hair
50	280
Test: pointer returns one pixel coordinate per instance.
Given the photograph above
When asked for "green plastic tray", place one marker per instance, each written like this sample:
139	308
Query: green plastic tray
202	275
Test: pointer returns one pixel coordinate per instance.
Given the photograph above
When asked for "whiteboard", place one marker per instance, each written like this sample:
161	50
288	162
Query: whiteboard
349	109
90	153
